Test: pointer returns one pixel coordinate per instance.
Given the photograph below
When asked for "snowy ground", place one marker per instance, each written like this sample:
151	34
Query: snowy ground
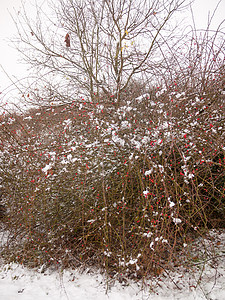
207	282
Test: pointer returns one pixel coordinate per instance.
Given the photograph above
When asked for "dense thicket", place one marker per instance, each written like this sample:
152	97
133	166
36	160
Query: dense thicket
121	187
120	181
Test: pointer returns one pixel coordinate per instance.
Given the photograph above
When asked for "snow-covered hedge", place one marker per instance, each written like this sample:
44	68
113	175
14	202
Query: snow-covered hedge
121	186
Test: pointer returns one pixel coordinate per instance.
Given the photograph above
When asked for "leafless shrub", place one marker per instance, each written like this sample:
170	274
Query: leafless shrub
123	181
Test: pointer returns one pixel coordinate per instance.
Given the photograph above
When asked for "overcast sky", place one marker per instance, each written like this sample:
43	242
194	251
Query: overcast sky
9	56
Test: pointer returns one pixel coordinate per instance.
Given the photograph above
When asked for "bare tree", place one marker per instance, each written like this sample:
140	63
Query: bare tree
95	46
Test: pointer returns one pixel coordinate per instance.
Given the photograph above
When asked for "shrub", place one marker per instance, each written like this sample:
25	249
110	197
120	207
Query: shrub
122	187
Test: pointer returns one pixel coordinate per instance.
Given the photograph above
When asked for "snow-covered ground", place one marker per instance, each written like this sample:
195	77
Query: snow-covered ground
207	282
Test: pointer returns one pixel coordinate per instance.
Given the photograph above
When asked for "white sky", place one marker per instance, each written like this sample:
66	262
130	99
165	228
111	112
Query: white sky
9	57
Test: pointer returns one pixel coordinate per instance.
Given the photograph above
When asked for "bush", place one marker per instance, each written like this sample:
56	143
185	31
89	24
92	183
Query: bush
122	182
121	187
